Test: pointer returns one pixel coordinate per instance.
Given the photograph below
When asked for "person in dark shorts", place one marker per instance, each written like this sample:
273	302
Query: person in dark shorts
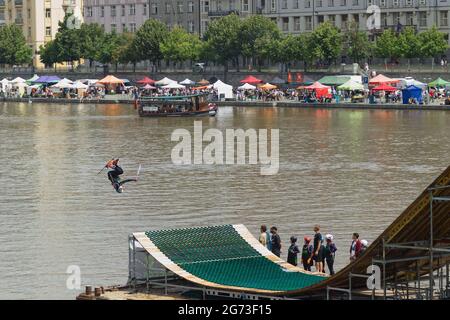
307	251
318	249
329	253
276	242
293	251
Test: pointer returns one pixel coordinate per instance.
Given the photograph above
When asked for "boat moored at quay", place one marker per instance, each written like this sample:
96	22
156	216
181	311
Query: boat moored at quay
176	106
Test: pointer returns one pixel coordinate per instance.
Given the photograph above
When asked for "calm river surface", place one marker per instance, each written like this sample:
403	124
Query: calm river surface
343	169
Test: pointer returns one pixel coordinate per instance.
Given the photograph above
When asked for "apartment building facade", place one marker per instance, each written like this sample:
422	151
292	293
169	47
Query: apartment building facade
297	16
38	19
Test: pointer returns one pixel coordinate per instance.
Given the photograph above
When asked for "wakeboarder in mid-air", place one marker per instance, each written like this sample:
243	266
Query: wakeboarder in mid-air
114	175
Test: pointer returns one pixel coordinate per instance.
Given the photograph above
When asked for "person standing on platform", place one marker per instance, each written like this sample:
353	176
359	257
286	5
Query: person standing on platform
276	242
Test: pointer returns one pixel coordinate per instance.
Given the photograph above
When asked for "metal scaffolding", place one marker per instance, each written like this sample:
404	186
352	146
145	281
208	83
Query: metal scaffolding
426	277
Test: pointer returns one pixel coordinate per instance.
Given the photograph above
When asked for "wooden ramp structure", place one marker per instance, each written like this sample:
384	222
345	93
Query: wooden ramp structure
409	260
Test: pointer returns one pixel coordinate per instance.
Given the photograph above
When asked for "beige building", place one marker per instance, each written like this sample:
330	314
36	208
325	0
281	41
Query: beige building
38	19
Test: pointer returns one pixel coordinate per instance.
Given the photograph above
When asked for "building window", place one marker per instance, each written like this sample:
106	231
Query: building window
273	5
355	2
48	31
382	3
245	5
168	8
343	3
113	11
332	19
285	24
423	2
191	26
48	12
369	3
384	19
295	4
113	28
307	3
308	23
395	3
89	11
331	3
180	7
296	23
191	6
132	27
409	3
284	4
409	19
123	10
154	8
132	9
443	21
144	11
124	27
422	19
205	8
396	17
102	11
319	3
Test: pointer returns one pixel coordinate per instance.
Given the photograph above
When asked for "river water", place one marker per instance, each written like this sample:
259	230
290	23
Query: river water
347	170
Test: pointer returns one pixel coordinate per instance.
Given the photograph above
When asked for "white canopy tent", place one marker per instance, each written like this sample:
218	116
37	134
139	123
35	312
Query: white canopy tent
33	78
187	82
174	85
164	82
247	86
79	85
18	80
223	90
63	84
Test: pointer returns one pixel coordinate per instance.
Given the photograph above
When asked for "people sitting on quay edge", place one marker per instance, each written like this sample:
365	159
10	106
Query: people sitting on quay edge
293	252
265	237
355	247
276	241
318	249
307	252
330	252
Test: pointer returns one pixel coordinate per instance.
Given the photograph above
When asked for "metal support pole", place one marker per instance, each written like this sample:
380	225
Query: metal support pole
147	270
350	286
384	269
134	264
431	245
165	282
418	276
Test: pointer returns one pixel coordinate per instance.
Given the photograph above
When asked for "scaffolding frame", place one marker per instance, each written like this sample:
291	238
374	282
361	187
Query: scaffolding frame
440	273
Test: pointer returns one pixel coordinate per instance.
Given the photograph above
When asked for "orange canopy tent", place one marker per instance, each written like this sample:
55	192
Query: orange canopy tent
110	80
251	80
320	89
267	86
203	82
381	79
385	87
146	80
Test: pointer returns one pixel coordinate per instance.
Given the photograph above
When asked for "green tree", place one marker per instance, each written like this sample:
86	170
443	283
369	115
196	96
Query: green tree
325	43
387	46
180	46
432	43
91	36
408	44
67	42
253	29
127	50
149	38
13	46
109	52
222	42
49	53
358	46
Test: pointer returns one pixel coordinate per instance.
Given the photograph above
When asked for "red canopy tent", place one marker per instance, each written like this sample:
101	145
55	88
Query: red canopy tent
385	87
320	89
380	79
146	80
251	80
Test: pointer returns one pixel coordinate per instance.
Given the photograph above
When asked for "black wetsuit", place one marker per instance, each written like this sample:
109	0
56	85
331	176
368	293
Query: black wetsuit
113	175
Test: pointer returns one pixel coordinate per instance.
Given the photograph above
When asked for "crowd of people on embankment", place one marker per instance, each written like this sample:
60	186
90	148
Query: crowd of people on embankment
328	89
315	252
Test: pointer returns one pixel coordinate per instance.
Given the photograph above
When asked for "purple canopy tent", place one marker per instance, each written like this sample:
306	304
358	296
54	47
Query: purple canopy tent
47	79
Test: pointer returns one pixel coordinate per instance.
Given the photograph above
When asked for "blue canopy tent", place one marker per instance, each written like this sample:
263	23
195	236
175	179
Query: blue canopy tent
412	92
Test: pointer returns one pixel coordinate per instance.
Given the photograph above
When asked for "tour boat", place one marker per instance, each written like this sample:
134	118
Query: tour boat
176	106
